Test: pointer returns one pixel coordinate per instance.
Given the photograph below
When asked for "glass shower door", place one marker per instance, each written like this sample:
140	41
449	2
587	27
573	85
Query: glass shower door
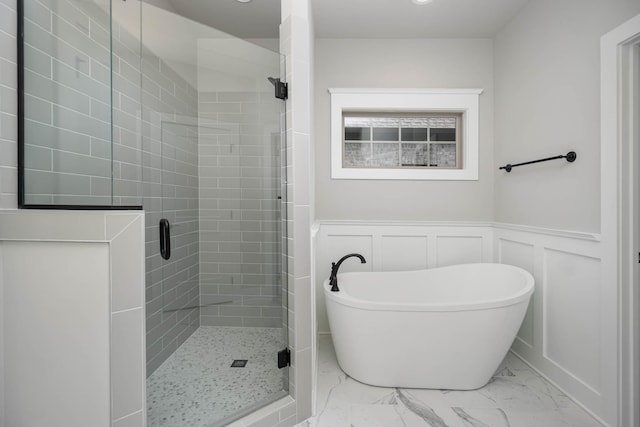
212	150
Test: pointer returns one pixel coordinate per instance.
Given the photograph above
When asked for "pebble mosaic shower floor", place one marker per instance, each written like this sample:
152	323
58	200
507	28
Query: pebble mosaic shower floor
196	386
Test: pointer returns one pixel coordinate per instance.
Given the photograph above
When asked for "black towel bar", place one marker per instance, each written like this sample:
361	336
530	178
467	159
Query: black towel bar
570	156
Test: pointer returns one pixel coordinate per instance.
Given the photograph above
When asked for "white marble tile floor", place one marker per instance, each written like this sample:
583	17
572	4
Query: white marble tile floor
196	385
515	397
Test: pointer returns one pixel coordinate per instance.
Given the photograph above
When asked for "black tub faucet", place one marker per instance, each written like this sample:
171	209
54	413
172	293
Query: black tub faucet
333	279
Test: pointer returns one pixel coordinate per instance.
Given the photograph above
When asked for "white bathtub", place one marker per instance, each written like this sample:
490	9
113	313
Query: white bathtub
442	328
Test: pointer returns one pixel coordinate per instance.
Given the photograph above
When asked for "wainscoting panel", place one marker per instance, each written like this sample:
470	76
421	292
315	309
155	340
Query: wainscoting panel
572	335
404	253
561	336
458	250
520	255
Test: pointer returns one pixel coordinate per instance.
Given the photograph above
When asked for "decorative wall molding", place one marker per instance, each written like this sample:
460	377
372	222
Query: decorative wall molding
562	333
549	231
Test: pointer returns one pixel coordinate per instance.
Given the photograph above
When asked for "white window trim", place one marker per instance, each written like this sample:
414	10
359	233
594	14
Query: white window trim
465	101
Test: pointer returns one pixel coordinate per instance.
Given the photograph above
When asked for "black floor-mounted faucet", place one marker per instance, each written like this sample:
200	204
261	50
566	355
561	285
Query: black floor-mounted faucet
333	279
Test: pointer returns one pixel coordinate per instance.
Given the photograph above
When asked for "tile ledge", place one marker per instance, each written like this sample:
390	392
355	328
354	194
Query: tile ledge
64	226
264	412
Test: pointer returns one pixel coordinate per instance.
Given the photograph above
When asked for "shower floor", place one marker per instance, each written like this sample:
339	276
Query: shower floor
196	385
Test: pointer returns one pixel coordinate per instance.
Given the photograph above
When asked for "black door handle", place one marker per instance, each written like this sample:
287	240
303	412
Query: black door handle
165	238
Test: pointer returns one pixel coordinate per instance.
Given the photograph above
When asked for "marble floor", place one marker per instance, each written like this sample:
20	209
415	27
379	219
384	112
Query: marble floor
196	385
515	397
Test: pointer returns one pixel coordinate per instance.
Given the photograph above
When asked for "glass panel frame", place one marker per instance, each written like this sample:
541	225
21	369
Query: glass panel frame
65	108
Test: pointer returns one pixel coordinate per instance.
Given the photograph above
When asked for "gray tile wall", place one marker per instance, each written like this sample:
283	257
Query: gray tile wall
240	241
8	105
68	145
69	122
77	83
128	188
170	177
67	102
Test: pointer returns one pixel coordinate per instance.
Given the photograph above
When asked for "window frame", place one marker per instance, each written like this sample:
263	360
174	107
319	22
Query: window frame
410	101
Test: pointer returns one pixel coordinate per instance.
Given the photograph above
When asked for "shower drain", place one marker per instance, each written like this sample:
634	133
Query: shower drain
239	363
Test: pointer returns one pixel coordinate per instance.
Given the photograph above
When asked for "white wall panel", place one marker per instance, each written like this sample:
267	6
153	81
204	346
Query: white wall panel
404	253
521	255
458	250
561	335
571	319
57	340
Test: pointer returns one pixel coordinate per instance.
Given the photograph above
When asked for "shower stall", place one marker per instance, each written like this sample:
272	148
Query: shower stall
124	105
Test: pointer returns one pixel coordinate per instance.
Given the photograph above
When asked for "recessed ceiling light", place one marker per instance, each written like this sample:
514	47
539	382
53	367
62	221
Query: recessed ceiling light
243	1
421	2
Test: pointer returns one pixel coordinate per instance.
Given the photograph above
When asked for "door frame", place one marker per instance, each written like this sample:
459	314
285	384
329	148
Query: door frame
620	196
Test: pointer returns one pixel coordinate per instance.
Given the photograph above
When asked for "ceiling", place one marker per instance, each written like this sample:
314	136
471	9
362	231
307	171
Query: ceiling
404	19
259	19
358	18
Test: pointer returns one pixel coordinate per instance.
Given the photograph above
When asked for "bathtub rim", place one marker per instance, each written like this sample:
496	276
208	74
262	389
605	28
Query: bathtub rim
345	299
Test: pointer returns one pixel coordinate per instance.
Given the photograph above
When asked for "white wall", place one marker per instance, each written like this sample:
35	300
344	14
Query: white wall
547	89
416	63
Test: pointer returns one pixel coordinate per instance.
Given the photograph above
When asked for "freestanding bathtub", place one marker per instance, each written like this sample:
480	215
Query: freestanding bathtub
442	328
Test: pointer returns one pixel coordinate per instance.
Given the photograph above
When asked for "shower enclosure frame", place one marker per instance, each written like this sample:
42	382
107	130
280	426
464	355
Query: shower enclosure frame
284	356
22	204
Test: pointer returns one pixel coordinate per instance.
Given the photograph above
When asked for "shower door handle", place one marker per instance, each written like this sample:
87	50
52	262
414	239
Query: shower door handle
165	238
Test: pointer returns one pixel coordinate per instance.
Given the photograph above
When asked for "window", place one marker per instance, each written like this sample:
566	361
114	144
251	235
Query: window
404	134
419	140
